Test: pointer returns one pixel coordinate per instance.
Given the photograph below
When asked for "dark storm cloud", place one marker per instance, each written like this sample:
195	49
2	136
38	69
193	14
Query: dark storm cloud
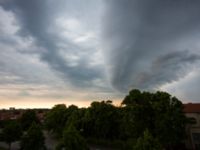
145	41
35	17
167	68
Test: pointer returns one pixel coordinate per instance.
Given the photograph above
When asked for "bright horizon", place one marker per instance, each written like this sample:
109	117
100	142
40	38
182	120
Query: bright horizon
32	104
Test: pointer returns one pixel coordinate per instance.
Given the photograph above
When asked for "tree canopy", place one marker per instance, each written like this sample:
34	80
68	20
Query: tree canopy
11	132
147	142
158	112
33	139
56	118
142	117
28	118
72	140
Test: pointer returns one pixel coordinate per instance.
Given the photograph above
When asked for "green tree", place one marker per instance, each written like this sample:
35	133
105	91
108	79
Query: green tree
56	118
33	139
134	97
147	142
158	112
170	121
28	118
11	132
72	115
76	117
72	140
137	115
101	121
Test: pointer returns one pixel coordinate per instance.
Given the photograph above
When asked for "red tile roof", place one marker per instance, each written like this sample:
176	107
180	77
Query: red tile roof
192	108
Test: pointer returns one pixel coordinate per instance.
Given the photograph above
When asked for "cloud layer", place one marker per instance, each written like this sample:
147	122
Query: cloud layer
51	50
72	49
38	19
151	43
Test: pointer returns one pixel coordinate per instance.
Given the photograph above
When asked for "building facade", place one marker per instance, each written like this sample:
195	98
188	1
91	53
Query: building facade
192	111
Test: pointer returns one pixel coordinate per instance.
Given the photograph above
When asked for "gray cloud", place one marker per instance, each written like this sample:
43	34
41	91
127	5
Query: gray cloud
187	89
145	41
49	45
167	68
35	18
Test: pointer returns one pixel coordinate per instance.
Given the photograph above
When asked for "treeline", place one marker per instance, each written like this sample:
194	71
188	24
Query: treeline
144	121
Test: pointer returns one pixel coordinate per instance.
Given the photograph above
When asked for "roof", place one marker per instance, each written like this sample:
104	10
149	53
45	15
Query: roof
191	108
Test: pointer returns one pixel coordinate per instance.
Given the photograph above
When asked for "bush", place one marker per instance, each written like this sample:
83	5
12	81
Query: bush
147	142
72	140
33	139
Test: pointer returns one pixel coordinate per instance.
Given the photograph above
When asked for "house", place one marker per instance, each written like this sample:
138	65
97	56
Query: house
192	111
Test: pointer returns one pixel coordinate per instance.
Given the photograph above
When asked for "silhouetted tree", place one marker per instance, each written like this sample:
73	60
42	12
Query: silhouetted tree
11	132
56	119
33	139
170	120
134	97
158	112
101	121
147	142
72	140
28	118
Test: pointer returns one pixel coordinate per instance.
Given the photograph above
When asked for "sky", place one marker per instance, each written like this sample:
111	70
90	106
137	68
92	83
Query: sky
76	52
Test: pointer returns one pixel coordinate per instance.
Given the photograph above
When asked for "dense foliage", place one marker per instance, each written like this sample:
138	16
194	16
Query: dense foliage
158	113
33	139
55	120
11	133
72	140
144	121
28	118
147	142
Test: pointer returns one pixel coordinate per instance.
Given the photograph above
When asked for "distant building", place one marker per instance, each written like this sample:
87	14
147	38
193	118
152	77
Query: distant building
12	108
192	111
13	114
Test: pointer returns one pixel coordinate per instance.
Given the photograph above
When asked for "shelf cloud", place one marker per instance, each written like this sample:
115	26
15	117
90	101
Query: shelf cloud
100	48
